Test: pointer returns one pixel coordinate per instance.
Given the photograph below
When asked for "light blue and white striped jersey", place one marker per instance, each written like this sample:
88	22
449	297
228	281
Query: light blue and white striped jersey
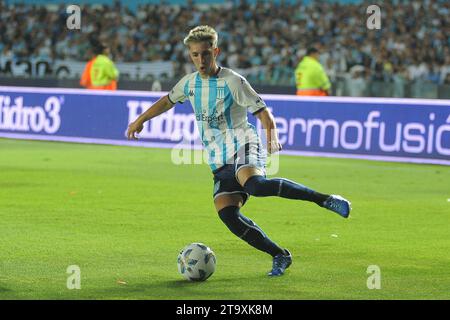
221	104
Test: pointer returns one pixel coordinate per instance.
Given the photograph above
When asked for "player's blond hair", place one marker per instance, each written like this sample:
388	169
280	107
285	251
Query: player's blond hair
202	33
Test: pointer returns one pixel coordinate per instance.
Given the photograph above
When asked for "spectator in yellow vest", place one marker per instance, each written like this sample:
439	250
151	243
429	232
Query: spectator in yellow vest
100	73
310	77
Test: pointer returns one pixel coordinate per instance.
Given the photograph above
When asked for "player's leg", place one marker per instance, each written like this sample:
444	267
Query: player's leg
250	174
228	207
254	182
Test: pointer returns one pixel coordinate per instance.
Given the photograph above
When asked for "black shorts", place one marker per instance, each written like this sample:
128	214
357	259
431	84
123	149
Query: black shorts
225	177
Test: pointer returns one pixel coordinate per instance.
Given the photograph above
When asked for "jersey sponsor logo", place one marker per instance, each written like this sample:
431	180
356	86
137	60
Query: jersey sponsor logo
214	120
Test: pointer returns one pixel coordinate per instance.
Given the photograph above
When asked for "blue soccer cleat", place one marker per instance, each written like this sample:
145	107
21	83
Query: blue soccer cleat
338	204
280	263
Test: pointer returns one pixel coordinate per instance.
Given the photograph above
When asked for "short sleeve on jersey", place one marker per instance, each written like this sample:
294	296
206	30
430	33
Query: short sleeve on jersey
177	93
246	96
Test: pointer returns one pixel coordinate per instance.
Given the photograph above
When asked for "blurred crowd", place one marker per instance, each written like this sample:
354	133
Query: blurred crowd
263	40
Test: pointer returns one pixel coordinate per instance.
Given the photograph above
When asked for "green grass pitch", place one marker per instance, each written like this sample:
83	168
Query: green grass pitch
123	213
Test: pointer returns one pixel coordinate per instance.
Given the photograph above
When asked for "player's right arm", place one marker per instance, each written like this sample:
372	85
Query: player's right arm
177	94
160	106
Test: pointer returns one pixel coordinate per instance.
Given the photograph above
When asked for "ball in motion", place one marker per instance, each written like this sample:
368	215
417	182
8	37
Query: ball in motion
196	262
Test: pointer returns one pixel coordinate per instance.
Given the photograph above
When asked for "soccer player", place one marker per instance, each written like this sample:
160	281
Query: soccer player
221	99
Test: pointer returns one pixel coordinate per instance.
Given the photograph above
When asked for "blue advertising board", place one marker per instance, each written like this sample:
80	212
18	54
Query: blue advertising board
409	130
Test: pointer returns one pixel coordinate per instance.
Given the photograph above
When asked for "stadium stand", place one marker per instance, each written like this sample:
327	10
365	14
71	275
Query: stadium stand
262	40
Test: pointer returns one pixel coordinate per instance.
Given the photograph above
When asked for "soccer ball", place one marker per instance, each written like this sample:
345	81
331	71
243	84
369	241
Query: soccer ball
196	262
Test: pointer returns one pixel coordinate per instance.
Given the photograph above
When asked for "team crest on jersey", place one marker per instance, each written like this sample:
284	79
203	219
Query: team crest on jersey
220	93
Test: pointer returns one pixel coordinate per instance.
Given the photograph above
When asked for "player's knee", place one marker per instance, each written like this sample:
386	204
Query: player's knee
230	217
255	186
229	214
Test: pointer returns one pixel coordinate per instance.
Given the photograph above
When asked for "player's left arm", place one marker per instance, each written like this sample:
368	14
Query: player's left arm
246	96
270	127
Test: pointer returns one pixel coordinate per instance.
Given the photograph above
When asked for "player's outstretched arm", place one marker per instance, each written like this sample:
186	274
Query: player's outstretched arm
268	123
160	106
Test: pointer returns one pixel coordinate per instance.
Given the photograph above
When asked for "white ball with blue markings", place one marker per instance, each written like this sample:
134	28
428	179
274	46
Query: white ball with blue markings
196	262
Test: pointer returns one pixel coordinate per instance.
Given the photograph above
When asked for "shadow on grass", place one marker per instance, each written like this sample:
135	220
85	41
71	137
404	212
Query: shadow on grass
7	294
220	288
